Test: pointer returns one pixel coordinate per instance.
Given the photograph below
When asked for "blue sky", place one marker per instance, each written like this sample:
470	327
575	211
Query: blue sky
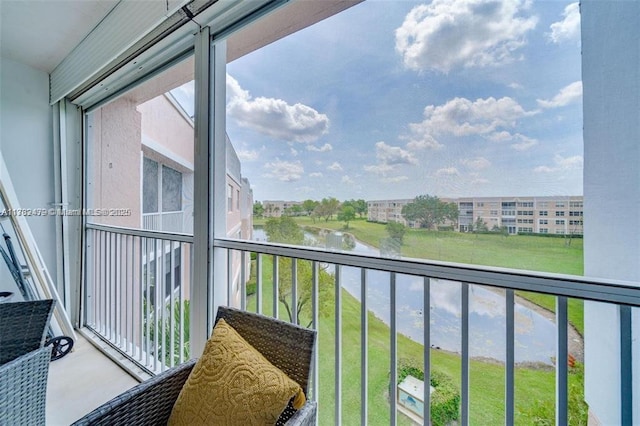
392	99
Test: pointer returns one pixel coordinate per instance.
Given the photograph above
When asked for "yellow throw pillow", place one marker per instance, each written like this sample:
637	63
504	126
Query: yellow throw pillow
233	384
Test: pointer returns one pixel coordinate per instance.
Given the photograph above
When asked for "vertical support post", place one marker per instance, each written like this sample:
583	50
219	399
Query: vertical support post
294	290
626	366
510	358
315	294
393	367
465	356
561	362
202	186
259	283
426	318
364	342
276	281
243	281
338	347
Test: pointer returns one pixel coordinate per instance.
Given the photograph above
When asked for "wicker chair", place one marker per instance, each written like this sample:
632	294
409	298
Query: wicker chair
24	362
23	388
23	327
286	346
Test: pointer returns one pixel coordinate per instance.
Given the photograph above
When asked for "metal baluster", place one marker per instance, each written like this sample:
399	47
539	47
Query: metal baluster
364	341
510	358
338	347
426	318
465	356
393	367
561	362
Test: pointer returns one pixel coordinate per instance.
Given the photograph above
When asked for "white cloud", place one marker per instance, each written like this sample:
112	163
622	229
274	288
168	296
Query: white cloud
478	163
462	117
380	169
315	175
562	164
523	143
395	179
324	148
274	117
515	86
567	95
446	34
479	181
346	179
294	152
335	167
448	171
284	171
569	27
393	155
426	141
246	155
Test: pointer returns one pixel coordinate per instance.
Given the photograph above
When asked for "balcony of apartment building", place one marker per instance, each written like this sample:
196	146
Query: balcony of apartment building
140	289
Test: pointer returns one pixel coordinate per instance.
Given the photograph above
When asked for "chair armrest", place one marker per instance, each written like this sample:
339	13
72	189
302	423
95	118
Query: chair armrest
149	403
306	416
23	388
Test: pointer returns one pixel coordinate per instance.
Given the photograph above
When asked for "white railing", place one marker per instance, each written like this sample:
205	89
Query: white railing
122	306
468	278
135	298
165	222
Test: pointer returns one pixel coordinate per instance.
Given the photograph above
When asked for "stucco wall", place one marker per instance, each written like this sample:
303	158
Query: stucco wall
26	141
611	86
115	162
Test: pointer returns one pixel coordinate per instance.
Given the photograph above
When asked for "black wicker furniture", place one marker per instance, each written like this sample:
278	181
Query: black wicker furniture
24	362
285	345
23	388
23	327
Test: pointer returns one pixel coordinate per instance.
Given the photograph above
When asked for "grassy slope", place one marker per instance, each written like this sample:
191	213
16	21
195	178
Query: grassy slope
487	380
515	251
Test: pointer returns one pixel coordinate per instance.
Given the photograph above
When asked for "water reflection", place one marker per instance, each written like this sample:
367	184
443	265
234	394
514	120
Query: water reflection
535	334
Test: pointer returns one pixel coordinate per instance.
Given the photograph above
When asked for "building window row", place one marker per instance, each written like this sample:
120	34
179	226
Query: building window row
543	213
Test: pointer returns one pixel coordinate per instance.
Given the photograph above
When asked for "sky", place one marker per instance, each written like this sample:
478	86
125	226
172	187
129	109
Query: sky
394	99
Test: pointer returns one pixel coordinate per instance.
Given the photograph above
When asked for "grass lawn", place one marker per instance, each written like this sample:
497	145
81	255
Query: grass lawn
515	251
487	379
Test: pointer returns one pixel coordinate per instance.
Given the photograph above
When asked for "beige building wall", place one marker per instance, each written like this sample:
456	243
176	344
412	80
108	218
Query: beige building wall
541	215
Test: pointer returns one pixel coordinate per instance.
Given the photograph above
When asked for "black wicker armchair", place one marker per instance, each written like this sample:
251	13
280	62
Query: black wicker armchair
24	361
285	345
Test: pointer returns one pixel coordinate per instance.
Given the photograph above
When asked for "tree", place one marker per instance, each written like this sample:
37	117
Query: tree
327	208
304	275
295	210
283	230
479	225
429	211
396	230
308	206
258	209
359	206
347	214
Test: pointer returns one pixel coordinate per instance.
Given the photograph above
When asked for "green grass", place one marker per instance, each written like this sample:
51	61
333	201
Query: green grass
524	252
487	379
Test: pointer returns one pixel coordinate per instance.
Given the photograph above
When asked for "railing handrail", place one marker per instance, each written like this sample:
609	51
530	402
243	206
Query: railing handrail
162	213
144	233
600	290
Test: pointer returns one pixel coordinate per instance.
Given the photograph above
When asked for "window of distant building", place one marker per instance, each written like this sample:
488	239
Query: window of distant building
161	188
559	213
229	198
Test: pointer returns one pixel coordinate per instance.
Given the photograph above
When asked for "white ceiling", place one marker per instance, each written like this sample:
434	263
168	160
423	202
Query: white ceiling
42	33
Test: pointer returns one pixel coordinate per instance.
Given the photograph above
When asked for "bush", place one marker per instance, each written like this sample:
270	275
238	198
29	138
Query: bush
542	413
251	287
445	399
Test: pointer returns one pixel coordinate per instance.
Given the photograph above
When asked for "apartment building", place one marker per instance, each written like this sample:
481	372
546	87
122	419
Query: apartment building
277	208
519	215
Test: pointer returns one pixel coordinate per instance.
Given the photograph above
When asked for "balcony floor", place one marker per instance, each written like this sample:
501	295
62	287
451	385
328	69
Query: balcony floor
82	381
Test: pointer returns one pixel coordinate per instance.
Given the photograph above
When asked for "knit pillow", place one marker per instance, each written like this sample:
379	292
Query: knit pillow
234	384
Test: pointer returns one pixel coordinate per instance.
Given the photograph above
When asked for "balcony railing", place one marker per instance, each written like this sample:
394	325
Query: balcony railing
316	288
136	293
166	222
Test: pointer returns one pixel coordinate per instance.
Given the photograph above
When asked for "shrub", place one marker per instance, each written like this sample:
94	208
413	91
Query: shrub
445	399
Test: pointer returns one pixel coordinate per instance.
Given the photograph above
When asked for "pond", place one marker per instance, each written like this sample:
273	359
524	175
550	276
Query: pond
535	334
